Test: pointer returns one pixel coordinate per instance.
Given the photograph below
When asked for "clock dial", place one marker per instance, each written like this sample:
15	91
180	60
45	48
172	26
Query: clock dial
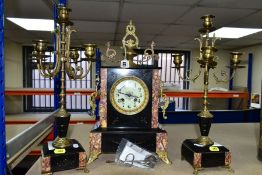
129	95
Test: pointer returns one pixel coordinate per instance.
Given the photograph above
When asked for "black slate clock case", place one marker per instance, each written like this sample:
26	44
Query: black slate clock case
135	128
141	120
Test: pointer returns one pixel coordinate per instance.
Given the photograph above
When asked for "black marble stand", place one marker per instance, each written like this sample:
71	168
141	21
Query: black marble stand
260	154
72	157
207	156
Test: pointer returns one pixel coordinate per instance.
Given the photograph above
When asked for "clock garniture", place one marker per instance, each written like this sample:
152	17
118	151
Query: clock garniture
129	99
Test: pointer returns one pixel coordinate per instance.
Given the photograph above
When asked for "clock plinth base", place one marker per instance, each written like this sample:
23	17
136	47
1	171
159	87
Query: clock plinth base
107	140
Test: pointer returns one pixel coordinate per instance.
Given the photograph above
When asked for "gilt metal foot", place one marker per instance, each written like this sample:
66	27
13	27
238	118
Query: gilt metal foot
230	169
197	170
163	156
93	156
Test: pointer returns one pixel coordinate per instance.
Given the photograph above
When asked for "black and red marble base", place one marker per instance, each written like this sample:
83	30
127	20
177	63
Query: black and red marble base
205	156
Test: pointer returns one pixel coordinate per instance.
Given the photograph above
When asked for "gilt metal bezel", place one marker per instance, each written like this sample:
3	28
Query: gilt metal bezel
140	107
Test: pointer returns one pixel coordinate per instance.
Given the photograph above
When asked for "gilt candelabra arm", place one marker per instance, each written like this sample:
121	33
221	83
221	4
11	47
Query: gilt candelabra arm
78	72
235	61
187	77
178	61
45	69
225	77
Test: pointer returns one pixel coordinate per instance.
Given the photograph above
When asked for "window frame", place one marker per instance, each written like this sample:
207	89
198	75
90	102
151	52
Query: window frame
28	101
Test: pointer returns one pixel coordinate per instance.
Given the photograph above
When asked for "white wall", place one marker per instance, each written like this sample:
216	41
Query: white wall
13	64
241	79
13	75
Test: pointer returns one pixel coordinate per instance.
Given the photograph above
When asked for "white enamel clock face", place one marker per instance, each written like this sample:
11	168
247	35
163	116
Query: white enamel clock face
129	95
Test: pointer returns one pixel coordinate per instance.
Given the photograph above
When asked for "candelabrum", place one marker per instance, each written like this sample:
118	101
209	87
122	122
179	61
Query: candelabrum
67	60
207	61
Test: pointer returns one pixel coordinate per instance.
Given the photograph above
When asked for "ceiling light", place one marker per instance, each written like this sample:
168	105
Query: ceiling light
232	32
34	24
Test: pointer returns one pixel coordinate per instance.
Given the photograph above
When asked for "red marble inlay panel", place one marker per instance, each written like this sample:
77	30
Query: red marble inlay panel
227	158
46	164
161	142
197	160
95	142
103	99
155	98
82	160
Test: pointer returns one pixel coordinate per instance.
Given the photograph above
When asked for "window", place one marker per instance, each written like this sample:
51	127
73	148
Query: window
44	103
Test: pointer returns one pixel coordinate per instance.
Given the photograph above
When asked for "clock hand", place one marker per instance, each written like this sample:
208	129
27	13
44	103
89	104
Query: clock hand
134	96
121	87
128	94
124	93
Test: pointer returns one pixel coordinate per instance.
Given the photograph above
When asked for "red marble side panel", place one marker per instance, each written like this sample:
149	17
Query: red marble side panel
155	98
161	142
197	160
46	164
103	99
95	142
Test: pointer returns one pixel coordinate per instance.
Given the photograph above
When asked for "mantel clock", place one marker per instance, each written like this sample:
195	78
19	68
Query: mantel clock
128	107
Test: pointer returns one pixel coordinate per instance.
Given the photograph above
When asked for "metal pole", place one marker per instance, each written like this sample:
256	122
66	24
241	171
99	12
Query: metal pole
57	82
230	88
57	79
98	66
2	96
249	74
63	2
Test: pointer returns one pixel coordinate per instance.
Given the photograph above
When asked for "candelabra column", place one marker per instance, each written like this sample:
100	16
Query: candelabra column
205	117
63	117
